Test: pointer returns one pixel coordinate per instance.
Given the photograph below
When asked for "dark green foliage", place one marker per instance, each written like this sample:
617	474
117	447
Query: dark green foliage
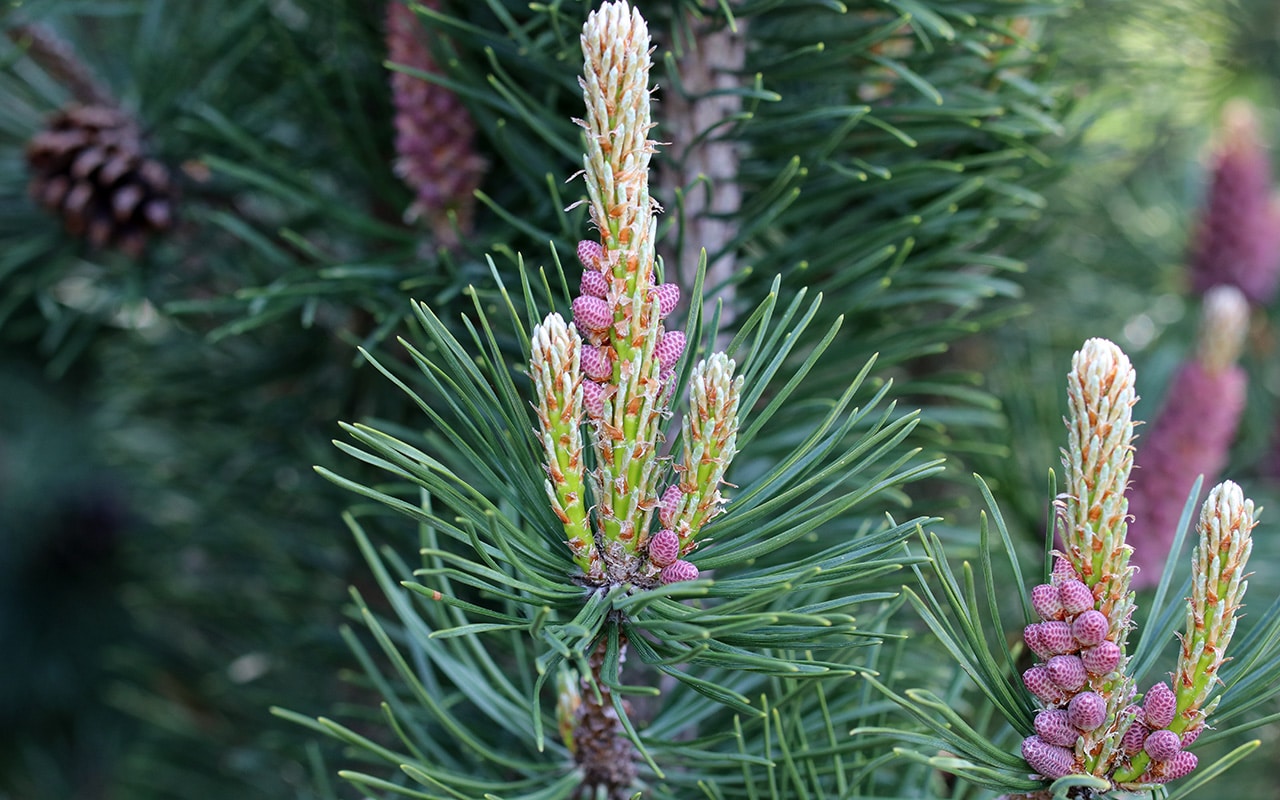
787	555
223	356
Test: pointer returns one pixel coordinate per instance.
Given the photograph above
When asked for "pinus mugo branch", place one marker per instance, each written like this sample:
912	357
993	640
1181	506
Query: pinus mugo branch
1077	710
571	528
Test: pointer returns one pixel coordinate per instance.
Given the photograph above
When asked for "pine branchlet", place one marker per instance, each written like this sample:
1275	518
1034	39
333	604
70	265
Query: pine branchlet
628	357
1089	724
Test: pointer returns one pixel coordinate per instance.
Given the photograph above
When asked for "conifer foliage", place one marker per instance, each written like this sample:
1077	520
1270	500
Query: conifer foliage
1077	711
590	548
632	474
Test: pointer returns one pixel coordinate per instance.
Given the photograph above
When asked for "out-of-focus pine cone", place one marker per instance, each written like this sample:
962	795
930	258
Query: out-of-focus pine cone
1192	434
89	166
1237	239
434	132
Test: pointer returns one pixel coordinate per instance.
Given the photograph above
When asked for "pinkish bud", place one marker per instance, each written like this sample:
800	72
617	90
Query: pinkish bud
668	504
1063	571
592	313
1039	684
670	348
1031	635
1057	637
1049	760
1102	659
1190	735
1134	737
1180	766
1053	727
595	364
664	548
593	397
1162	745
1090	628
678	571
668	295
1044	599
1067	672
590	254
1076	597
1087	711
594	284
1159	706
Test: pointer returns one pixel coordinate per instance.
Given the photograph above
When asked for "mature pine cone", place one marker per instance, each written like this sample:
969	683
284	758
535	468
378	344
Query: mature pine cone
88	165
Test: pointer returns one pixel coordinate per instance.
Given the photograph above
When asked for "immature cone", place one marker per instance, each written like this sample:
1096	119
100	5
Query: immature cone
1102	659
625	323
1087	605
1237	240
1090	628
1087	711
1162	745
1192	434
1039	683
1218	585
435	136
1180	766
555	367
1135	737
1159	706
664	548
1031	636
1217	593
89	166
669	504
1056	637
1074	596
678	571
1049	760
1067	672
1190	735
710	435
1054	726
629	355
1047	602
1098	459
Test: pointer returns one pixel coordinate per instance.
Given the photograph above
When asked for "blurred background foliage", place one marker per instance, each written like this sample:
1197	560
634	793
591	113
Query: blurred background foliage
1150	85
169	565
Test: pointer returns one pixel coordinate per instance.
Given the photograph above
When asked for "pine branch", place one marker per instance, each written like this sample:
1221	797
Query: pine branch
1088	730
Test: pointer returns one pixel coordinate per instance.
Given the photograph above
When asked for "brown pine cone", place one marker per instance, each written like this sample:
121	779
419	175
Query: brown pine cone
89	166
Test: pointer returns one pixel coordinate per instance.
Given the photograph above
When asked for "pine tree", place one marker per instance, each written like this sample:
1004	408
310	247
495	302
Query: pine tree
858	178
